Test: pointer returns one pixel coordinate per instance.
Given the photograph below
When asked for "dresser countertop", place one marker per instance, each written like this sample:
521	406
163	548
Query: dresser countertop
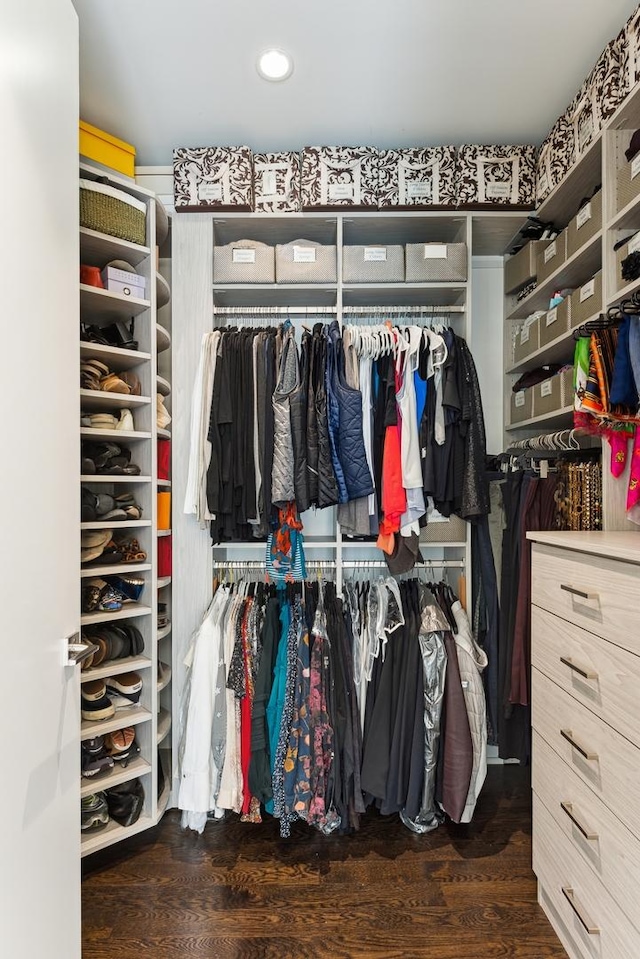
615	545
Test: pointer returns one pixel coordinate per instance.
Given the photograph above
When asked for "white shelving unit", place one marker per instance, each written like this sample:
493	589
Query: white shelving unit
101	307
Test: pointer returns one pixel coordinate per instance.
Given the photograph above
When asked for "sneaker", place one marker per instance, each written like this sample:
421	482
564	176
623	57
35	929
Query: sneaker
94	812
124	690
122	745
95	704
94	758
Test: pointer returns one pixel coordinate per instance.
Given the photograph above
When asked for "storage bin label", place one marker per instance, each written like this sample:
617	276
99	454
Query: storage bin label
552	316
435	251
375	254
635	166
546	388
419	189
520	398
587	290
634	244
304	254
269	183
525	333
583	216
243	256
550	252
341	191
210	191
497	191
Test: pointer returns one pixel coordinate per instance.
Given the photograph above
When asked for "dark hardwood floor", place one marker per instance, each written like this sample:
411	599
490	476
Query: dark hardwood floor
240	892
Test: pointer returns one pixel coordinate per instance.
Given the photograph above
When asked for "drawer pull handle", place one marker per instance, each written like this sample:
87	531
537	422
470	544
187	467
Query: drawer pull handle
586	673
578	592
568	735
580	913
567	807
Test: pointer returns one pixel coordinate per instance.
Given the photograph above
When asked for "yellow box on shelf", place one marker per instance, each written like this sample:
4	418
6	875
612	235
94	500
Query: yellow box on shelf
108	150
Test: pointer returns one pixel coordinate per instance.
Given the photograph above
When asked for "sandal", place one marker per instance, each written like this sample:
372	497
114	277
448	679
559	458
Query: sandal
132	551
112	383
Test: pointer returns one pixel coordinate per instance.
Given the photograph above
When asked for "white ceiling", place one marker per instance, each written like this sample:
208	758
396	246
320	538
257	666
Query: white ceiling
161	74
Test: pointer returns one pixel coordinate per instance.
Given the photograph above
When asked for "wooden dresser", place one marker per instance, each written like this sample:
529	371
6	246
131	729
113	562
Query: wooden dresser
585	651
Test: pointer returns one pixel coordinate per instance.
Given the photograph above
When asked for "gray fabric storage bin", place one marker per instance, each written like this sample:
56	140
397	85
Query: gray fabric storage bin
555	322
304	261
521	406
586	301
454	530
584	225
426	262
520	268
526	340
551	257
244	261
373	264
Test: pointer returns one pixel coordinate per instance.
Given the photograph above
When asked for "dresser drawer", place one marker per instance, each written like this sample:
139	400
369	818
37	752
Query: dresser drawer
603	759
610	850
603	677
595	924
597	593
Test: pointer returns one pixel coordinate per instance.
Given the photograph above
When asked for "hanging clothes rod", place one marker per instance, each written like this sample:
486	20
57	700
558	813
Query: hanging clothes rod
353	564
562	441
273	310
402	310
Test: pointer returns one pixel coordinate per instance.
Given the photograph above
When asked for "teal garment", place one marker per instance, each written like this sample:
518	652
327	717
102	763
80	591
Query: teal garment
275	706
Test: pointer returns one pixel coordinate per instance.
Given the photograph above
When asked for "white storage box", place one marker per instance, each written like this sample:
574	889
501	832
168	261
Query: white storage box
339	177
121	281
276	183
212	178
303	261
503	175
427	262
245	261
420	177
373	264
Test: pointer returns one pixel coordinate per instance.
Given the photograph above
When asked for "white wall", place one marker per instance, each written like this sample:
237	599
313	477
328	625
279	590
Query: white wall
487	308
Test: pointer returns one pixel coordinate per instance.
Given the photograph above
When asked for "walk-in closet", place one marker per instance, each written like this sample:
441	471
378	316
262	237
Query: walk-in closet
321	479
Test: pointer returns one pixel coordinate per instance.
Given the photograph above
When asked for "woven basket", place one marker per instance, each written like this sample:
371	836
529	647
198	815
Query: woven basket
245	261
453	531
436	261
110	211
304	261
373	264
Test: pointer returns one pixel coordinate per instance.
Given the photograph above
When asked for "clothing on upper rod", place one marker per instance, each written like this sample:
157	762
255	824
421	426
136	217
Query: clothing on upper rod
312	708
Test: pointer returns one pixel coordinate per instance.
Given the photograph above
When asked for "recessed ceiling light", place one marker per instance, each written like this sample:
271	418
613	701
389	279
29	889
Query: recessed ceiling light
275	65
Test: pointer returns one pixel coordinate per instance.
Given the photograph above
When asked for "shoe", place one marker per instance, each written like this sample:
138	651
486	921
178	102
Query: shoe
125	802
94	758
122	745
164	672
162	415
125	690
102	421
90	276
94	812
112	383
163	619
100	596
95	705
131	551
132	382
129	587
126	421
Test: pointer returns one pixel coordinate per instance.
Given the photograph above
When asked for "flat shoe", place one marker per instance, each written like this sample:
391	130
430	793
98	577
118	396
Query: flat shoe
126	421
132	382
113	384
95	537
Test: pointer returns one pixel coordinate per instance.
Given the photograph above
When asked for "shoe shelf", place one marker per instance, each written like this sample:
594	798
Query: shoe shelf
114	569
129	436
164	484
163	799
115	667
163	532
163	339
625	292
117	478
164	434
128	611
96	249
576	270
164	386
99	400
115	358
114	777
163	291
164	581
163	631
166	677
627	218
116	524
132	716
112	833
164	725
98	304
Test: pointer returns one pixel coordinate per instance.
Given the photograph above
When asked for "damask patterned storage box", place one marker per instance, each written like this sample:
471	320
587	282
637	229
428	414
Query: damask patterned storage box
630	58
504	175
245	261
584	117
586	301
555	158
373	264
607	78
339	177
419	177
276	183
304	261
428	262
212	178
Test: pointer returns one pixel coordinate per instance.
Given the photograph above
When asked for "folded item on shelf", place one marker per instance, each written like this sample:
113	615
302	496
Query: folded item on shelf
532	377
